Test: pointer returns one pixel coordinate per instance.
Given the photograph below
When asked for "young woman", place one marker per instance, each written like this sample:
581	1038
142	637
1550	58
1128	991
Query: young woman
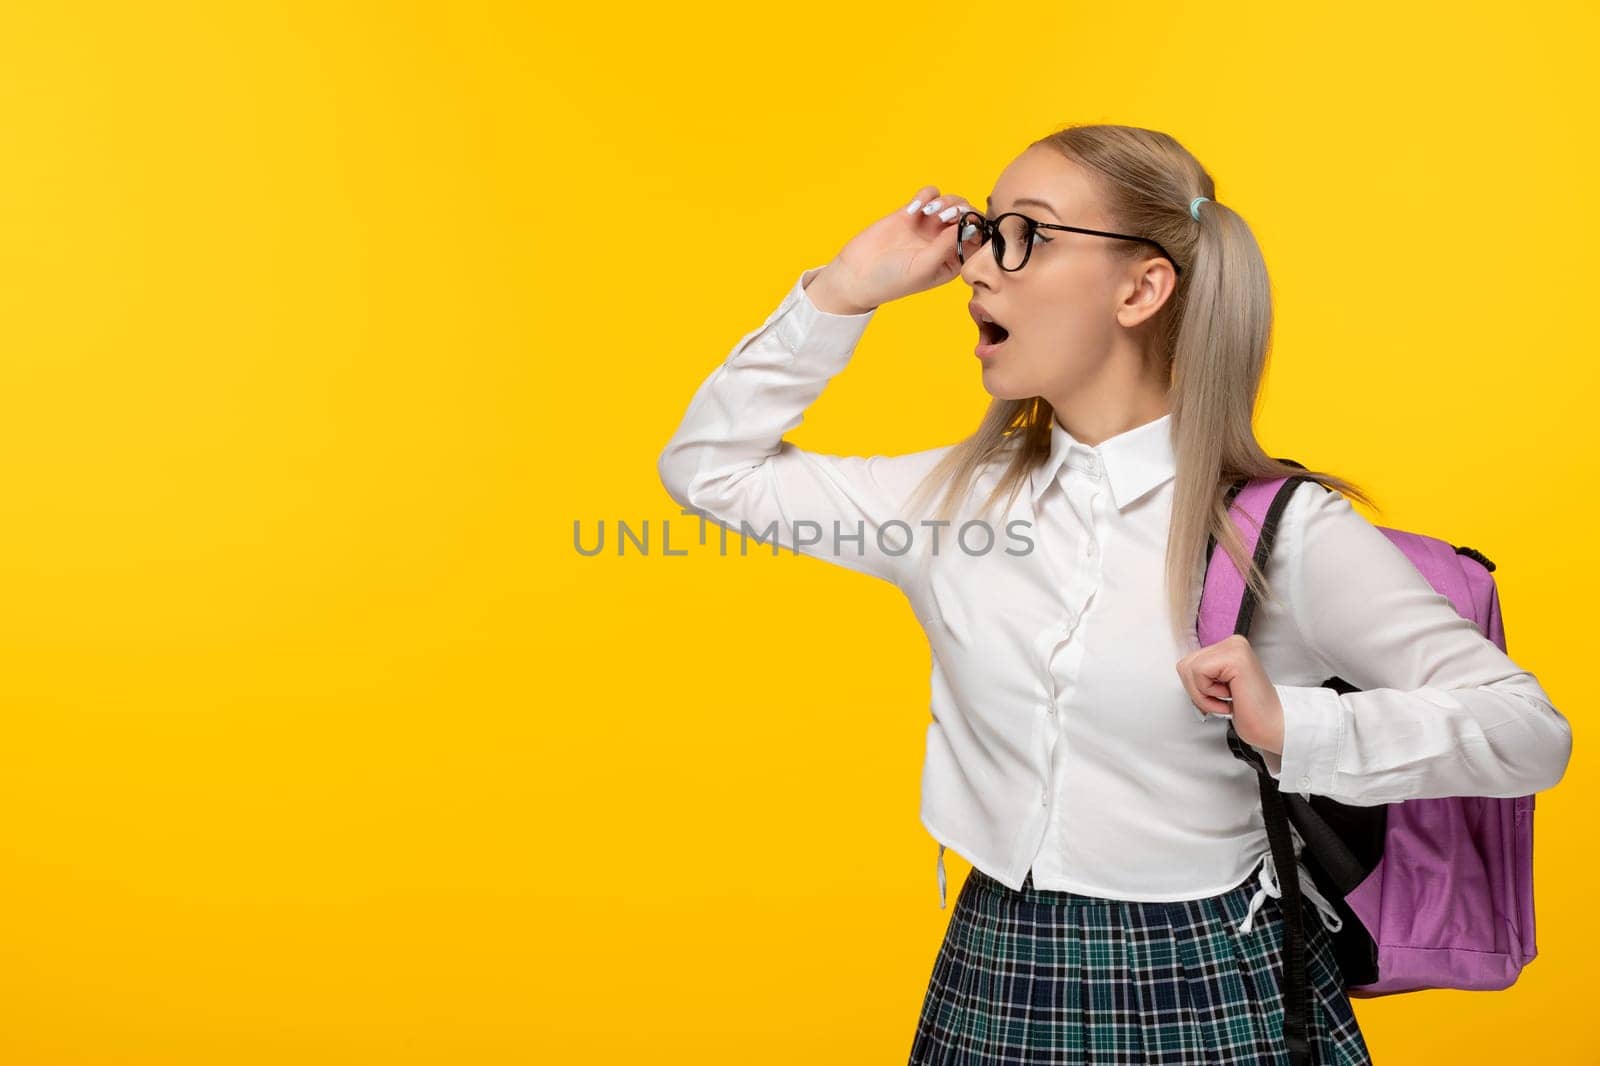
1122	906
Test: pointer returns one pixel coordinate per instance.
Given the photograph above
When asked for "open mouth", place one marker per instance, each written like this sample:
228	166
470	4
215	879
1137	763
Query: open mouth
992	333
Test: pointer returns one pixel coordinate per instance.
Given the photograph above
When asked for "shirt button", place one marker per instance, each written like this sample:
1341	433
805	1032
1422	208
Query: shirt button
1044	798
1088	549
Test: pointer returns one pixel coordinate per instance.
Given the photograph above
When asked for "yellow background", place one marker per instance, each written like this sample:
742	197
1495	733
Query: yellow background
325	322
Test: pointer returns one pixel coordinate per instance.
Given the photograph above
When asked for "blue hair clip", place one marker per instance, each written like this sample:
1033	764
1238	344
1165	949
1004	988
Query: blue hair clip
1194	207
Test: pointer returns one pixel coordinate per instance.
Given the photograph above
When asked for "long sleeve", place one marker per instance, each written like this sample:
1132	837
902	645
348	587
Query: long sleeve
728	457
1443	711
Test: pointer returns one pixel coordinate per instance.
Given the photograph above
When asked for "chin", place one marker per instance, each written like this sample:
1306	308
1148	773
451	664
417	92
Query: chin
995	383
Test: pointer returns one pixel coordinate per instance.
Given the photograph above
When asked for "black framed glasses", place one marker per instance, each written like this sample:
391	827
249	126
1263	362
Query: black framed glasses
1011	235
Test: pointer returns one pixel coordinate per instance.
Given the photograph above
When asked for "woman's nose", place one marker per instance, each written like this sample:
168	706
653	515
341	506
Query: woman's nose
975	264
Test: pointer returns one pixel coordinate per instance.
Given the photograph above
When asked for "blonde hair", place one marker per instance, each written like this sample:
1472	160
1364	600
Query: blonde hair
1213	335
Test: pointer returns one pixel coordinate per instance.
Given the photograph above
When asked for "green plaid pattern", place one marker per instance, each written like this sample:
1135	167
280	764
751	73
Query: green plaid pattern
1043	977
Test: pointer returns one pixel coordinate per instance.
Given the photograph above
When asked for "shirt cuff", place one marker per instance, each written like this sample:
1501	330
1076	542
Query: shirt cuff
1313	726
806	329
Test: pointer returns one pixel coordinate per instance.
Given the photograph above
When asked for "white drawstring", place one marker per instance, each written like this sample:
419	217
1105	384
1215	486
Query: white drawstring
941	876
1270	887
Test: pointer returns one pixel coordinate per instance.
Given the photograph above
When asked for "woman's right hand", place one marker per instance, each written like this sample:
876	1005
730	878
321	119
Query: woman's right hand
898	255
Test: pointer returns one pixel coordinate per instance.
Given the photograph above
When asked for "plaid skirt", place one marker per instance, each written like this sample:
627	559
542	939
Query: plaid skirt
1046	977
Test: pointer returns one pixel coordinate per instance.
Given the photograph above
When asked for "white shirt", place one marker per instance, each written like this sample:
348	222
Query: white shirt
1062	739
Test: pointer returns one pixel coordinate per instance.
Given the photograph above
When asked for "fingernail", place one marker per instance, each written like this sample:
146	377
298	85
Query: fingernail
912	208
931	208
949	213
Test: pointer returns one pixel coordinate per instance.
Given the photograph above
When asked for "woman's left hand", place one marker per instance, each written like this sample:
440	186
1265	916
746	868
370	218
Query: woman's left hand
1227	677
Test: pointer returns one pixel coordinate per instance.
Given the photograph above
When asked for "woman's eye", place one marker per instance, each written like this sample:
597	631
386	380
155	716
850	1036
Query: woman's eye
1042	237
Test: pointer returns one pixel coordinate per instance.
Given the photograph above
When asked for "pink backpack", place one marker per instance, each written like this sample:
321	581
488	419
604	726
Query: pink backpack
1433	893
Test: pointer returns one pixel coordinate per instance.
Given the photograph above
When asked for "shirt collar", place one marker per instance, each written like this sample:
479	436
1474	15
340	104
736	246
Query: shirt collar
1133	462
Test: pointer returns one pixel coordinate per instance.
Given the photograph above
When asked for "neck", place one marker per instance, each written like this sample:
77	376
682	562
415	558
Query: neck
1124	390
1091	419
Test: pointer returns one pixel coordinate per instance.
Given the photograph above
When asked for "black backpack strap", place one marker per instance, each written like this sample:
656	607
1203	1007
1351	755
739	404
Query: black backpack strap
1295	985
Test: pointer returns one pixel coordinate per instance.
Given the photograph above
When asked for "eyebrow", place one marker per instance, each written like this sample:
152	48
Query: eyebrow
989	202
